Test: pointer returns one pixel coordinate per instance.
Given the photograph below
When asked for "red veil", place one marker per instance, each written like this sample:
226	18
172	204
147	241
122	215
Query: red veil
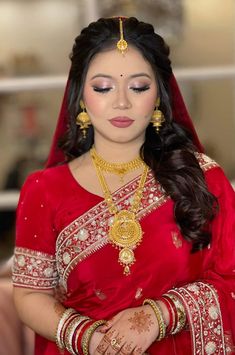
180	115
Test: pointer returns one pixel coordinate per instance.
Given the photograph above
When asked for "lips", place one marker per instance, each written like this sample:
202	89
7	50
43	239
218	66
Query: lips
121	122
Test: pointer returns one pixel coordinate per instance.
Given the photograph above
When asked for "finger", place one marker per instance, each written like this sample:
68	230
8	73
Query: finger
108	325
138	351
115	345
127	349
104	343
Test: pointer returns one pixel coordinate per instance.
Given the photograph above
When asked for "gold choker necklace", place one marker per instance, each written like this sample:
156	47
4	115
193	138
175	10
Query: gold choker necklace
125	232
119	169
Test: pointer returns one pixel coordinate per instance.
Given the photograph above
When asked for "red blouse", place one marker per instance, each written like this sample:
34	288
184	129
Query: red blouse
62	243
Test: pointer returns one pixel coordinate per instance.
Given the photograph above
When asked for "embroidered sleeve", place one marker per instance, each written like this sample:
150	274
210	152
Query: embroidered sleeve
204	318
34	269
34	263
205	162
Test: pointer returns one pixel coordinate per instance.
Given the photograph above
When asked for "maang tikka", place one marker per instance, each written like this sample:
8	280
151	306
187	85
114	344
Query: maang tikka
83	120
122	43
157	117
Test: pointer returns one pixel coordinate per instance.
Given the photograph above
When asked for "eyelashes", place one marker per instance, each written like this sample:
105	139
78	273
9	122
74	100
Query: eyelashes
101	90
135	89
141	89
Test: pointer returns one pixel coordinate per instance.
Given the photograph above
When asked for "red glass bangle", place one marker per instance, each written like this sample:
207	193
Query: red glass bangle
86	324
173	312
171	315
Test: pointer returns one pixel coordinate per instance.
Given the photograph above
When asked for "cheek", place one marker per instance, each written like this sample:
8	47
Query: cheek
147	105
93	102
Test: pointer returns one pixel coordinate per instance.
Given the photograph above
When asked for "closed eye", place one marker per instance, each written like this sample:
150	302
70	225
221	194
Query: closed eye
101	90
140	89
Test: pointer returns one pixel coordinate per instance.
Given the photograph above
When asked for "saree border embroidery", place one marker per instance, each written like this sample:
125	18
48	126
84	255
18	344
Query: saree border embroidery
34	269
88	233
204	317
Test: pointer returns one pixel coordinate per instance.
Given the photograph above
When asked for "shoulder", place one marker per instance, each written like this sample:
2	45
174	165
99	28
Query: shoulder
46	175
206	163
44	181
217	181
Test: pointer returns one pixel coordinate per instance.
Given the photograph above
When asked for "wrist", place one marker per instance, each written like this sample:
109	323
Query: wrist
165	312
159	316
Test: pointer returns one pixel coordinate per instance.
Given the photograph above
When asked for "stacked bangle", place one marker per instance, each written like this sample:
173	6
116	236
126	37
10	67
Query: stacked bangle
88	334
180	313
74	332
172	313
61	326
158	312
177	314
86	326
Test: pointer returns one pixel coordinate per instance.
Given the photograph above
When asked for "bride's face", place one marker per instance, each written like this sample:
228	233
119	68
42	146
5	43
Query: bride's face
120	93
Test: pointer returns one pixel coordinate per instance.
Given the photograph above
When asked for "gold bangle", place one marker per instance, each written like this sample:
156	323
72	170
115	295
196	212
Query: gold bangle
158	312
88	334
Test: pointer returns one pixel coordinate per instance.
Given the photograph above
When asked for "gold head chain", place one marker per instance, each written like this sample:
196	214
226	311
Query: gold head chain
122	43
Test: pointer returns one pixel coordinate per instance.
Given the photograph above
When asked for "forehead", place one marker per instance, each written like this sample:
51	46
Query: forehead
113	63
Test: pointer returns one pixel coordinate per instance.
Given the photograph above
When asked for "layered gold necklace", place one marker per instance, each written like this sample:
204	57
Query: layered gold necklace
125	231
119	169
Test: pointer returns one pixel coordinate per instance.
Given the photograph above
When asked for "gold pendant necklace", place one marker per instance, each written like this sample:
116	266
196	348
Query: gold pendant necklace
119	169
125	232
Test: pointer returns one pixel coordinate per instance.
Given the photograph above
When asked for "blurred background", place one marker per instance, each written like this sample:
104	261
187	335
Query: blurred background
36	38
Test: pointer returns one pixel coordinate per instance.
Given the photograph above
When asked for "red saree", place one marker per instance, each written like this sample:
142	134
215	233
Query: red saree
62	243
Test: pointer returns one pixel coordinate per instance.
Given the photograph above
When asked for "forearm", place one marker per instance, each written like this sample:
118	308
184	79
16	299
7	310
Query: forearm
39	311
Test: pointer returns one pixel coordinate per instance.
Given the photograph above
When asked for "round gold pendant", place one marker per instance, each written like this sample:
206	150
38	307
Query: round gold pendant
125	230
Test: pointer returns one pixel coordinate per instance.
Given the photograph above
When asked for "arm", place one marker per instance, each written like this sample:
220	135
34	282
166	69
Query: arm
39	310
35	274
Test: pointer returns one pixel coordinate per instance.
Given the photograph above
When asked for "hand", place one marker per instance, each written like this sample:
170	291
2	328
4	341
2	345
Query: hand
94	341
131	331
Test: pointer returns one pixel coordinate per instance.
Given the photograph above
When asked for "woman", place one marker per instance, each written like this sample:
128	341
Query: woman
125	243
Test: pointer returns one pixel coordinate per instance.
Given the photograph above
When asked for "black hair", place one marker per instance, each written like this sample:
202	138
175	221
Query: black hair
171	152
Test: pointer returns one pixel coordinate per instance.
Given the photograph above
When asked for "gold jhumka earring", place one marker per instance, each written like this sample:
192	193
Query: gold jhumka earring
83	120
157	117
122	43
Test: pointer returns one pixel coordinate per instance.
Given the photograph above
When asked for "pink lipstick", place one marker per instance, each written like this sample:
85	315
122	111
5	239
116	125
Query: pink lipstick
121	121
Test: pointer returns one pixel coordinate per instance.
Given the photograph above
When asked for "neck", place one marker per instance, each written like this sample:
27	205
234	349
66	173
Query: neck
117	152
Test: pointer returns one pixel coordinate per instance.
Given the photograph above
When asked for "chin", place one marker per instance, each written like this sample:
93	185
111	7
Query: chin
122	137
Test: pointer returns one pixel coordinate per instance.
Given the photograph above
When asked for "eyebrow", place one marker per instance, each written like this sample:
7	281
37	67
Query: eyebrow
100	75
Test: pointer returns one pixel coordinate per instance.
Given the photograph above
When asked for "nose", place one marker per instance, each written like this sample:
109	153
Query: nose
121	100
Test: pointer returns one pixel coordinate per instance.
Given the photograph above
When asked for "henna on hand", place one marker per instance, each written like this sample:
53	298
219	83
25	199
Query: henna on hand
138	351
141	322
